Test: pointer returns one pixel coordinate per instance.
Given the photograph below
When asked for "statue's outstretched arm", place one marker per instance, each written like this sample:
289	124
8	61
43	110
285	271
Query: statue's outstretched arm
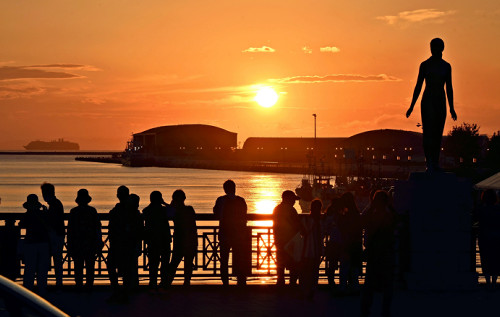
416	91
449	94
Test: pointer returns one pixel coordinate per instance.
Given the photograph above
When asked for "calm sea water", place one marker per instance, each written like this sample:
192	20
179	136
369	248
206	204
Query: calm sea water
21	175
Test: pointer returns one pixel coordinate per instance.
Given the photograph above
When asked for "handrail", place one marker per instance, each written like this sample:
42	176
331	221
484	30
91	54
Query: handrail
207	260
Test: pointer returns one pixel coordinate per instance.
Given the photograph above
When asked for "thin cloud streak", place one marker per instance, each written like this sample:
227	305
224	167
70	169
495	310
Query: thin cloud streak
67	66
414	16
335	78
19	92
25	72
307	50
329	49
263	49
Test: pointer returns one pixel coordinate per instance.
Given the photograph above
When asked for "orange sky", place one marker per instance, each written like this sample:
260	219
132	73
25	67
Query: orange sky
96	71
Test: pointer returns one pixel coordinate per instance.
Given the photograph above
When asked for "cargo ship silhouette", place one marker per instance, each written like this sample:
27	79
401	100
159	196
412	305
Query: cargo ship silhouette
55	145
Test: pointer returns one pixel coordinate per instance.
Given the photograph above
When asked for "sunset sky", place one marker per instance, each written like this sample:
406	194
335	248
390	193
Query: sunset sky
94	72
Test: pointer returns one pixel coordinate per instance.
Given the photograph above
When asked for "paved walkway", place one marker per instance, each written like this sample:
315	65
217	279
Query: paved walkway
267	300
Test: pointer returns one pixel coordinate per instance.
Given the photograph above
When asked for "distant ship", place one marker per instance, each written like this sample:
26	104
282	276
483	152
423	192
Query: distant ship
55	145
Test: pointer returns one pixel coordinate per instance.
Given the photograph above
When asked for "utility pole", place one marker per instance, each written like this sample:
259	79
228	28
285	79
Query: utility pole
314	115
314	148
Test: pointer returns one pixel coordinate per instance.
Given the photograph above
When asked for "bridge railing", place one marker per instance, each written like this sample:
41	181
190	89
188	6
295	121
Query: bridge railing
207	260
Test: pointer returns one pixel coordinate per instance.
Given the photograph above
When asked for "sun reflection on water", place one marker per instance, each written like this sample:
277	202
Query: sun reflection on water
265	193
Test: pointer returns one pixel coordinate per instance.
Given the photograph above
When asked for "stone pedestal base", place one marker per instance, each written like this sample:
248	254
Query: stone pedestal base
439	207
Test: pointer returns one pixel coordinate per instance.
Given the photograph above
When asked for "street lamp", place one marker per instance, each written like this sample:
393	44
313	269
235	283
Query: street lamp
314	115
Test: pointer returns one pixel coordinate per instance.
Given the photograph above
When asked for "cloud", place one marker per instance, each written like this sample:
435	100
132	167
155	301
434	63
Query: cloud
383	121
26	72
263	49
67	66
20	91
420	15
307	50
335	78
329	49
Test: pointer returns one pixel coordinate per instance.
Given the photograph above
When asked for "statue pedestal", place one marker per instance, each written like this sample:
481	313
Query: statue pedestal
442	252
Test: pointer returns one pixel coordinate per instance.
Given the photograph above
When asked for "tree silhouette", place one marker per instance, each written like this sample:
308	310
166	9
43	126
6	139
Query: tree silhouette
493	155
463	143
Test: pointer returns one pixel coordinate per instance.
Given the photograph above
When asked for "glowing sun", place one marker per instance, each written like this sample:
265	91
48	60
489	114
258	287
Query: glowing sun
266	97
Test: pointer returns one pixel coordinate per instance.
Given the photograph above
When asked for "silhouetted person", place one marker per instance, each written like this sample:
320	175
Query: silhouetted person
232	213
57	229
379	222
436	72
36	244
313	249
124	233
185	237
349	224
286	224
115	237
136	223
488	216
157	237
10	266
332	231
84	238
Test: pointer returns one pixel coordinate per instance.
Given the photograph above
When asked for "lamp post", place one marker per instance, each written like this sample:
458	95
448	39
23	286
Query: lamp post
314	148
314	115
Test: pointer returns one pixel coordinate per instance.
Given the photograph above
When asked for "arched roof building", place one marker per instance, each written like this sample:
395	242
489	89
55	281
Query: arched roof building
184	140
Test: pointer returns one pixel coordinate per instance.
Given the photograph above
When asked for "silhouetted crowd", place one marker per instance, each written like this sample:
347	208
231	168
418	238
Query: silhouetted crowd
352	237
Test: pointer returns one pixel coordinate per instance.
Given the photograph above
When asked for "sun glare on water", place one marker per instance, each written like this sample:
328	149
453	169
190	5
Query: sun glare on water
266	97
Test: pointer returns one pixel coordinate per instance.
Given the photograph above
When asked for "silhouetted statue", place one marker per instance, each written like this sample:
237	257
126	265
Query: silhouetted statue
57	229
233	233
124	233
84	238
488	216
36	244
185	237
313	249
157	237
379	222
10	262
436	72
286	225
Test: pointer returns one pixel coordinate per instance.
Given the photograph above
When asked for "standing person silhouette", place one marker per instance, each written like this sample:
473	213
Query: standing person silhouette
233	233
125	228
157	237
185	238
84	238
57	231
286	224
36	244
436	72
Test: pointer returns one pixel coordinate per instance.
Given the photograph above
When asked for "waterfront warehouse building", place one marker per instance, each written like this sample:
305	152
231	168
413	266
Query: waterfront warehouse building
206	142
291	149
197	141
387	145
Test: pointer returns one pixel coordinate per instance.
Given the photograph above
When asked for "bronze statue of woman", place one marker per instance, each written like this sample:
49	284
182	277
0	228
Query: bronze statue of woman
436	72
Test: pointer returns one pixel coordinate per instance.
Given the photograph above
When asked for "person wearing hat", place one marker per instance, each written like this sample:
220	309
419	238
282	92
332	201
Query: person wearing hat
36	244
84	238
286	225
157	237
185	237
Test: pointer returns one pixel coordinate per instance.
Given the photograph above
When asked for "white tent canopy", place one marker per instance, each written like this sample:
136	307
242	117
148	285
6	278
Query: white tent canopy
492	182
